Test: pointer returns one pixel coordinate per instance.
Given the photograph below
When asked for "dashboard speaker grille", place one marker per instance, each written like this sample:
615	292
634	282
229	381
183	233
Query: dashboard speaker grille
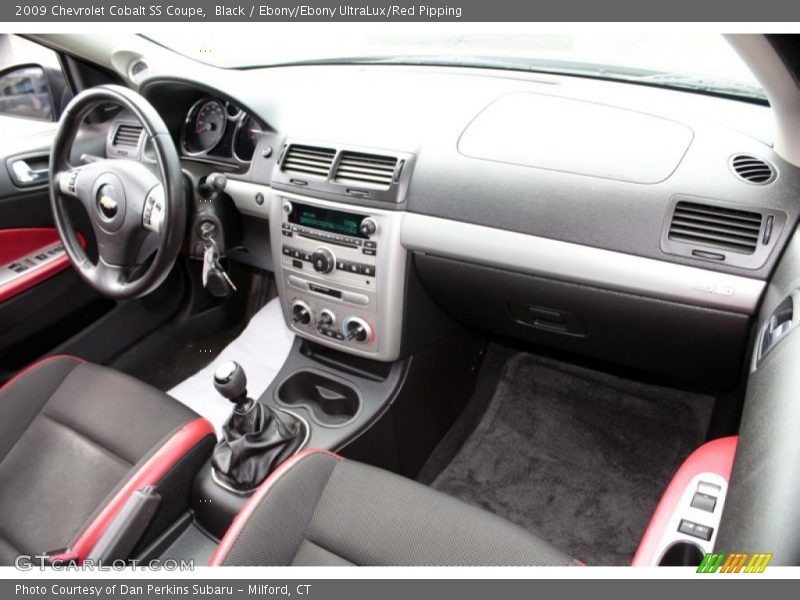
308	160
752	169
127	135
368	170
716	226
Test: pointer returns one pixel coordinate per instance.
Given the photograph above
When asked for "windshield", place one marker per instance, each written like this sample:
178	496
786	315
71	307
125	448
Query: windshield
688	60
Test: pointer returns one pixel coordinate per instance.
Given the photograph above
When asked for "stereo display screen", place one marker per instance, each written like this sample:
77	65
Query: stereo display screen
326	219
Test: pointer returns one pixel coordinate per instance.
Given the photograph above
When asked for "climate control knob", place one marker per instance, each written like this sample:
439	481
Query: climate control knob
301	313
356	330
323	260
326	318
368	227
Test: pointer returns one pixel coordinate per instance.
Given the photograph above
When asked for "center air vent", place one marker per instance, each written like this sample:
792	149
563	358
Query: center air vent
127	135
715	226
367	170
308	161
752	169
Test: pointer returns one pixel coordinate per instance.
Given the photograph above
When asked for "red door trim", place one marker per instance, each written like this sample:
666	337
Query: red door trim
713	457
17	243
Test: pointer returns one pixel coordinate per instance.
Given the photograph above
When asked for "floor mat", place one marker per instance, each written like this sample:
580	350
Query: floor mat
576	456
261	349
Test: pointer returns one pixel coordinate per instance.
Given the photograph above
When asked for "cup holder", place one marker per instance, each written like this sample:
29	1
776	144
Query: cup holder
682	554
330	401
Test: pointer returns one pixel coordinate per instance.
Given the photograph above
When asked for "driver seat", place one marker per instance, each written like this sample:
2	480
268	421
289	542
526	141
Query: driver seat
76	441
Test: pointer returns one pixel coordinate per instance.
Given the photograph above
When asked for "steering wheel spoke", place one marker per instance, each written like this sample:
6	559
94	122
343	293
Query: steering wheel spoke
108	276
67	181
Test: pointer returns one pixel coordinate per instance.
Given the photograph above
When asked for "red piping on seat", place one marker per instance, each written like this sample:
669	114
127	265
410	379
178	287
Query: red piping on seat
150	474
249	508
714	457
38	364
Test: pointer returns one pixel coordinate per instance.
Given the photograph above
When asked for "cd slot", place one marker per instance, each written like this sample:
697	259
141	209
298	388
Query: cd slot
326	238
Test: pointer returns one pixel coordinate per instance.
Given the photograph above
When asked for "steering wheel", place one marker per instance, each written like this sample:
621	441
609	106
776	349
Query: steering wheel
133	211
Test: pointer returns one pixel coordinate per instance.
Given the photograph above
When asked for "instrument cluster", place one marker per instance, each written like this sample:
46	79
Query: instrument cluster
216	130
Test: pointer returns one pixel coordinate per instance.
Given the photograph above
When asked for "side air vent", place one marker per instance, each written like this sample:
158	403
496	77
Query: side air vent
367	170
752	169
308	161
127	135
715	226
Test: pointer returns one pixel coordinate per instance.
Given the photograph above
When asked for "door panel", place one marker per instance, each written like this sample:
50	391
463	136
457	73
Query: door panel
29	257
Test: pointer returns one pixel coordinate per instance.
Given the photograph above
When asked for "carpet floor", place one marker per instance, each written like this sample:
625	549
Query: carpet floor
576	456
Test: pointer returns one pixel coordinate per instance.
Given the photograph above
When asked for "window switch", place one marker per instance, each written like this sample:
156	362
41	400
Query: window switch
695	529
704	502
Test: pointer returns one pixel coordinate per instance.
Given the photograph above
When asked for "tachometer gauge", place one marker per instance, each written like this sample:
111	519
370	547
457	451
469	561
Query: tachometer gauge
205	125
246	140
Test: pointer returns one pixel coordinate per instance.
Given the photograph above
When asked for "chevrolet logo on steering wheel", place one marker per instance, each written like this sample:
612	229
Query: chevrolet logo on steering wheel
107	203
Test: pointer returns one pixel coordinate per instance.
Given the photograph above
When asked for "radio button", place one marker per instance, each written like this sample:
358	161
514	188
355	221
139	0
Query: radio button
370	244
323	261
369	251
298	283
368	227
368	270
354	298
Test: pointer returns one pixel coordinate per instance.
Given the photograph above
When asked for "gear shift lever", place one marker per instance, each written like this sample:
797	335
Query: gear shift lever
255	439
231	382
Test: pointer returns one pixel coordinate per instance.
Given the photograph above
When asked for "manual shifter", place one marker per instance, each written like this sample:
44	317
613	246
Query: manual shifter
255	438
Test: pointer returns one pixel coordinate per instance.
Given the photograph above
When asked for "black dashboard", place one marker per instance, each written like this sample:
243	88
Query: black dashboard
473	164
621	211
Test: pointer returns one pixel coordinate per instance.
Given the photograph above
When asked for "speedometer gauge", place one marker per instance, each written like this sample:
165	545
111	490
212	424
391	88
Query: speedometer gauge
244	144
205	125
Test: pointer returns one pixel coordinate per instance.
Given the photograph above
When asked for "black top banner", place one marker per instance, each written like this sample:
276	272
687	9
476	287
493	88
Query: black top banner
450	11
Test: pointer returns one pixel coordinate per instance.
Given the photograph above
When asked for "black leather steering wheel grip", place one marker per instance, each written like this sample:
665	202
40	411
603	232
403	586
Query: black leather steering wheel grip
120	197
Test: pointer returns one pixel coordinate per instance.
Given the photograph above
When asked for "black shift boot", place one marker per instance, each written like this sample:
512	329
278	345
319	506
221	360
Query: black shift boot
256	439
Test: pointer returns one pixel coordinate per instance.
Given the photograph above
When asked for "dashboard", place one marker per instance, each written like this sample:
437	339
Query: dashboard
607	219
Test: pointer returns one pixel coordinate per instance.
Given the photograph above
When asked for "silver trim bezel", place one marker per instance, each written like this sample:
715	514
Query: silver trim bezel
576	263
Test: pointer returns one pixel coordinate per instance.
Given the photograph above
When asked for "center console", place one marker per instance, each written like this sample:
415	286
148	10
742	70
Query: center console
342	273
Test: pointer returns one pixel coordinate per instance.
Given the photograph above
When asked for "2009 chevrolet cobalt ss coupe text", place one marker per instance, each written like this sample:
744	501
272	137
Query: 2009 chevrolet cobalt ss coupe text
409	300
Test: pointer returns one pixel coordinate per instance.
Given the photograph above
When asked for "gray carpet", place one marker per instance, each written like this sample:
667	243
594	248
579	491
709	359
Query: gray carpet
576	456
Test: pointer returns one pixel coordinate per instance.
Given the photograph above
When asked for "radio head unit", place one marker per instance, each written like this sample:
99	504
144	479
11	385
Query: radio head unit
342	273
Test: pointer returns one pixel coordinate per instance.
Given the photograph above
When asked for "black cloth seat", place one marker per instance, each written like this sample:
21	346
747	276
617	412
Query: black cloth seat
318	509
76	440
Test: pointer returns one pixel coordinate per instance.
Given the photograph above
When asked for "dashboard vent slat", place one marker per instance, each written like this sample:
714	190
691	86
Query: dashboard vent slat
308	160
716	226
127	135
752	169
368	170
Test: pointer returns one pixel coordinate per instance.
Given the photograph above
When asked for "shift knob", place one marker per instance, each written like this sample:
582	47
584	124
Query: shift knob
231	382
